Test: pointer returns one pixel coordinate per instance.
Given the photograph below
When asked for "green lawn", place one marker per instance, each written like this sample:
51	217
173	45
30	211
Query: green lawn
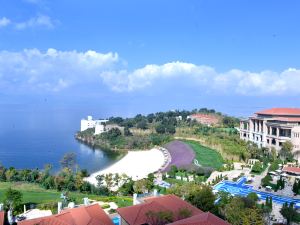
33	193
206	157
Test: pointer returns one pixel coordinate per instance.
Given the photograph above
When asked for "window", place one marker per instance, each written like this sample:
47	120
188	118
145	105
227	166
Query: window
273	141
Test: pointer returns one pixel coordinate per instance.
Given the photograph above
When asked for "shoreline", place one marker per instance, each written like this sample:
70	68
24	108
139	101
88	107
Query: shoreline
135	164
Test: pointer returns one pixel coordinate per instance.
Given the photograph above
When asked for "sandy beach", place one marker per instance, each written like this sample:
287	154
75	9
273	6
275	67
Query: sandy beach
136	164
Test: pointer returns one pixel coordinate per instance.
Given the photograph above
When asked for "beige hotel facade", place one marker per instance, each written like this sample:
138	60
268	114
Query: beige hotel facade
272	127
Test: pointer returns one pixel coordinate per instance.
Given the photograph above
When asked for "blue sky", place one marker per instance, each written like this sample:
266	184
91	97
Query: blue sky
125	57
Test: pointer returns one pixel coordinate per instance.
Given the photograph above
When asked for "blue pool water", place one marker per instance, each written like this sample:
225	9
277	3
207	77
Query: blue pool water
116	220
242	189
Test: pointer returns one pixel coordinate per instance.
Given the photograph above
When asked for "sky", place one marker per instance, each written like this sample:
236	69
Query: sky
140	56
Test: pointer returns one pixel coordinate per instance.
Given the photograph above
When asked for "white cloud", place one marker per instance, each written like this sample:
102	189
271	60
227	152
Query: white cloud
38	21
207	78
52	70
4	22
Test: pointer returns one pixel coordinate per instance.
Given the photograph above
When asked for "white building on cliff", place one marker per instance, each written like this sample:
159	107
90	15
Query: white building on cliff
99	125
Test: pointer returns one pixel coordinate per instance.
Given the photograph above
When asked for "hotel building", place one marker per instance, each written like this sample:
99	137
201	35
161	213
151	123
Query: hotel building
272	127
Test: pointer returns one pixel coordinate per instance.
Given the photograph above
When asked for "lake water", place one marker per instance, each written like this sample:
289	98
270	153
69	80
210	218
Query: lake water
33	138
39	130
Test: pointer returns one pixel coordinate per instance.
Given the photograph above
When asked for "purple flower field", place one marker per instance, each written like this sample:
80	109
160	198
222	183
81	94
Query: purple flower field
181	153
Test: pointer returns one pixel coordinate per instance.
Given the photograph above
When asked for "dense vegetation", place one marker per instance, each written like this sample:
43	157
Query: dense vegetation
146	131
40	186
236	210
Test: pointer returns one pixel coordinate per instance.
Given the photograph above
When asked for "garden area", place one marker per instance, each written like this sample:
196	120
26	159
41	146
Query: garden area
35	195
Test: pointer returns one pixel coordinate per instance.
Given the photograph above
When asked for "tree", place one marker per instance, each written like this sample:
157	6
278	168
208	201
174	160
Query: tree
224	199
171	129
253	196
100	180
150	117
109	181
12	198
203	198
142	125
296	187
229	121
233	211
127	132
257	167
68	160
289	212
286	150
142	186
127	187
160	128
273	153
252	216
266	180
173	171
113	133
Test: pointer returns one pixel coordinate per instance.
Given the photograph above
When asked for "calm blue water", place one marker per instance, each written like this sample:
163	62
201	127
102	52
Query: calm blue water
31	138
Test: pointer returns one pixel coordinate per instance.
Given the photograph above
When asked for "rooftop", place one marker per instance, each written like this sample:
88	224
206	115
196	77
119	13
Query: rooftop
289	169
1	217
280	112
136	215
201	219
84	215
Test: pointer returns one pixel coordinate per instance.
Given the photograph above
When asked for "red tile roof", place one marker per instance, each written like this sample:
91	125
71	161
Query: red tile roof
280	112
136	215
174	203
201	219
290	169
84	215
1	217
286	119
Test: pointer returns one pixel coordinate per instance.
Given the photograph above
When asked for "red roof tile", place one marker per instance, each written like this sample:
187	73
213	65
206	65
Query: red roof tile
280	112
286	119
290	169
1	217
174	203
201	219
85	215
136	215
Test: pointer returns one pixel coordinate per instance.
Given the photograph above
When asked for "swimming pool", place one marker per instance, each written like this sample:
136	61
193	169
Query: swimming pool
116	221
242	189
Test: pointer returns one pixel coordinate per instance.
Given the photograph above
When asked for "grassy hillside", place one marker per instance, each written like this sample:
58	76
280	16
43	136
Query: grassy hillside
206	157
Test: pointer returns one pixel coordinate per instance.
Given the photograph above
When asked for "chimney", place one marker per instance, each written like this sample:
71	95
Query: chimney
10	217
135	201
1	207
86	201
155	193
59	207
24	208
71	205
